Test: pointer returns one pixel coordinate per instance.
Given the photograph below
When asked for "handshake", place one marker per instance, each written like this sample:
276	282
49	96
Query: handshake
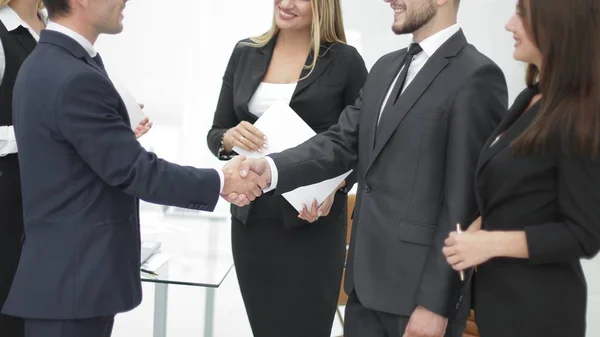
245	179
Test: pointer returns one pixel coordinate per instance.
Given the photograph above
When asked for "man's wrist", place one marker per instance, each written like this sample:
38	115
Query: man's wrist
272	172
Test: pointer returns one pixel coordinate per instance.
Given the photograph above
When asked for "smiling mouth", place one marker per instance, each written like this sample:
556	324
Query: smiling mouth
399	10
285	14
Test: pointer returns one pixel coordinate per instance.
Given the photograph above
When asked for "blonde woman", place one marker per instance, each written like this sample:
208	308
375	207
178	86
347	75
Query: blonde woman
20	24
289	265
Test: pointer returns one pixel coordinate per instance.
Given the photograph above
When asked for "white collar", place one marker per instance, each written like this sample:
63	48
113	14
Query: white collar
431	44
87	45
12	20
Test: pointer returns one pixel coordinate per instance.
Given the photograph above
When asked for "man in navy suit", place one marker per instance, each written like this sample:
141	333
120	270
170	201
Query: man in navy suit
83	171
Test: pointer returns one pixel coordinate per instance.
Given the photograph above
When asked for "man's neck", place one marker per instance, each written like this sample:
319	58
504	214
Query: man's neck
26	9
434	26
84	30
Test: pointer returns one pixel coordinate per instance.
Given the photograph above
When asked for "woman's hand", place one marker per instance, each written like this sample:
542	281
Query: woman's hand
319	211
245	136
143	128
468	249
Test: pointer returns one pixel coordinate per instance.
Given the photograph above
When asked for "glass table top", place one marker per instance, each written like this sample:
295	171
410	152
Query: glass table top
195	250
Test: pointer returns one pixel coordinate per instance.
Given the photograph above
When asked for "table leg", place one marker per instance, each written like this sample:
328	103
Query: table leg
209	312
160	309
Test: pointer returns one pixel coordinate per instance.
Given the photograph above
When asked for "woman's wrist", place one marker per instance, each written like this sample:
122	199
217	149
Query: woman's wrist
227	146
508	244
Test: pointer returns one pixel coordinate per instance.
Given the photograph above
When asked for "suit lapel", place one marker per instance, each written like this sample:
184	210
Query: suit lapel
392	117
258	65
322	64
512	126
381	90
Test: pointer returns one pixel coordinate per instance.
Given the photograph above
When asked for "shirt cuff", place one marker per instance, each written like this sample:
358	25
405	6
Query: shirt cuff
7	133
222	179
274	175
8	143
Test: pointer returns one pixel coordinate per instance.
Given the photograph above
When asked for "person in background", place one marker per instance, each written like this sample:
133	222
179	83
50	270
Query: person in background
538	181
21	22
289	265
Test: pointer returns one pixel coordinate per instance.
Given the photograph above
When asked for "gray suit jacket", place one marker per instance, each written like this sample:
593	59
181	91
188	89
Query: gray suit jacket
82	171
415	174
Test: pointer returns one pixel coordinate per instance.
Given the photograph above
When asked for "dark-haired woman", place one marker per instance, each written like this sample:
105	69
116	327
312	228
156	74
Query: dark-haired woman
538	182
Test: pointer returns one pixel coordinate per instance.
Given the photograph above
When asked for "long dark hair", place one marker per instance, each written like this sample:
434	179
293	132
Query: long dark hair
565	32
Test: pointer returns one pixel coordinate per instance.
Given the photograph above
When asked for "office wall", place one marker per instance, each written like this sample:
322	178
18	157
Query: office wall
173	57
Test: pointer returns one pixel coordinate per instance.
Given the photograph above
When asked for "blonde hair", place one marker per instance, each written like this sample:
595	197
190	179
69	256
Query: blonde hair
4	3
327	27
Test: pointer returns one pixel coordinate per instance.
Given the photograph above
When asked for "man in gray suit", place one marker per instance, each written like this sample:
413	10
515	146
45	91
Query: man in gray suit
414	137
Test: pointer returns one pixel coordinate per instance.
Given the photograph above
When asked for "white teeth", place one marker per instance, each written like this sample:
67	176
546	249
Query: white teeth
399	10
286	15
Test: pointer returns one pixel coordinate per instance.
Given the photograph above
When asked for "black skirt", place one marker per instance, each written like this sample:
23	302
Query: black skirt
289	278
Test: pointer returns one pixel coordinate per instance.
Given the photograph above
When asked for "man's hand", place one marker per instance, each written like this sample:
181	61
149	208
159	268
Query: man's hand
144	126
424	323
258	166
238	189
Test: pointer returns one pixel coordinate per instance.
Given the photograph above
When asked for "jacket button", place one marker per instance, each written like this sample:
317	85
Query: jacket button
367	188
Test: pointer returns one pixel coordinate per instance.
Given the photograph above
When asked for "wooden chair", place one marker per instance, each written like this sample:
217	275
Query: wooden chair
470	331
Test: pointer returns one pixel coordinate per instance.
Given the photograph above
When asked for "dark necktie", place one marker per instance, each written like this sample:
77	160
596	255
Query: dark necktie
413	50
99	62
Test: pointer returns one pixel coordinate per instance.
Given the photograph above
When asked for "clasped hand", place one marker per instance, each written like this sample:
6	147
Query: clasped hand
245	179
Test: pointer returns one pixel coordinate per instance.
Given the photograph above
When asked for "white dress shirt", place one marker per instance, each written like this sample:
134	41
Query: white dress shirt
430	45
87	45
12	21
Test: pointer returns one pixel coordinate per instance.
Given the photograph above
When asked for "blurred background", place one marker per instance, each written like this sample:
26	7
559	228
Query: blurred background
172	56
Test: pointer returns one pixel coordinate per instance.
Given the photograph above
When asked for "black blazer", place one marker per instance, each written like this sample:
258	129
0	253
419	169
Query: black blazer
555	199
335	82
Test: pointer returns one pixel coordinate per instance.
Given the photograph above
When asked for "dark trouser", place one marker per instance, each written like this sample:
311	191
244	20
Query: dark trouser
91	327
360	322
11	234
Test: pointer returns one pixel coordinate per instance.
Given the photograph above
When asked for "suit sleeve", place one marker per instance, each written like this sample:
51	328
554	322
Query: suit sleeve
477	109
324	156
578	235
356	79
225	117
88	118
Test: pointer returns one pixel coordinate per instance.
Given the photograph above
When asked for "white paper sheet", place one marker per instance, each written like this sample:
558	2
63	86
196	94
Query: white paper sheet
133	108
285	129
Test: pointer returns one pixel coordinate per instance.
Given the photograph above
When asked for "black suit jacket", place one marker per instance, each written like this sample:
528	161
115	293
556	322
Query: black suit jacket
82	171
415	173
335	82
555	199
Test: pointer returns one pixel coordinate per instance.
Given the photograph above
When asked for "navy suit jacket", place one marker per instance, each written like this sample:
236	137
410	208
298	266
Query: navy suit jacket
83	171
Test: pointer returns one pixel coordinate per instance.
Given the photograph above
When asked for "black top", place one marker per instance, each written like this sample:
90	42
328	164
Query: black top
18	44
554	198
319	99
